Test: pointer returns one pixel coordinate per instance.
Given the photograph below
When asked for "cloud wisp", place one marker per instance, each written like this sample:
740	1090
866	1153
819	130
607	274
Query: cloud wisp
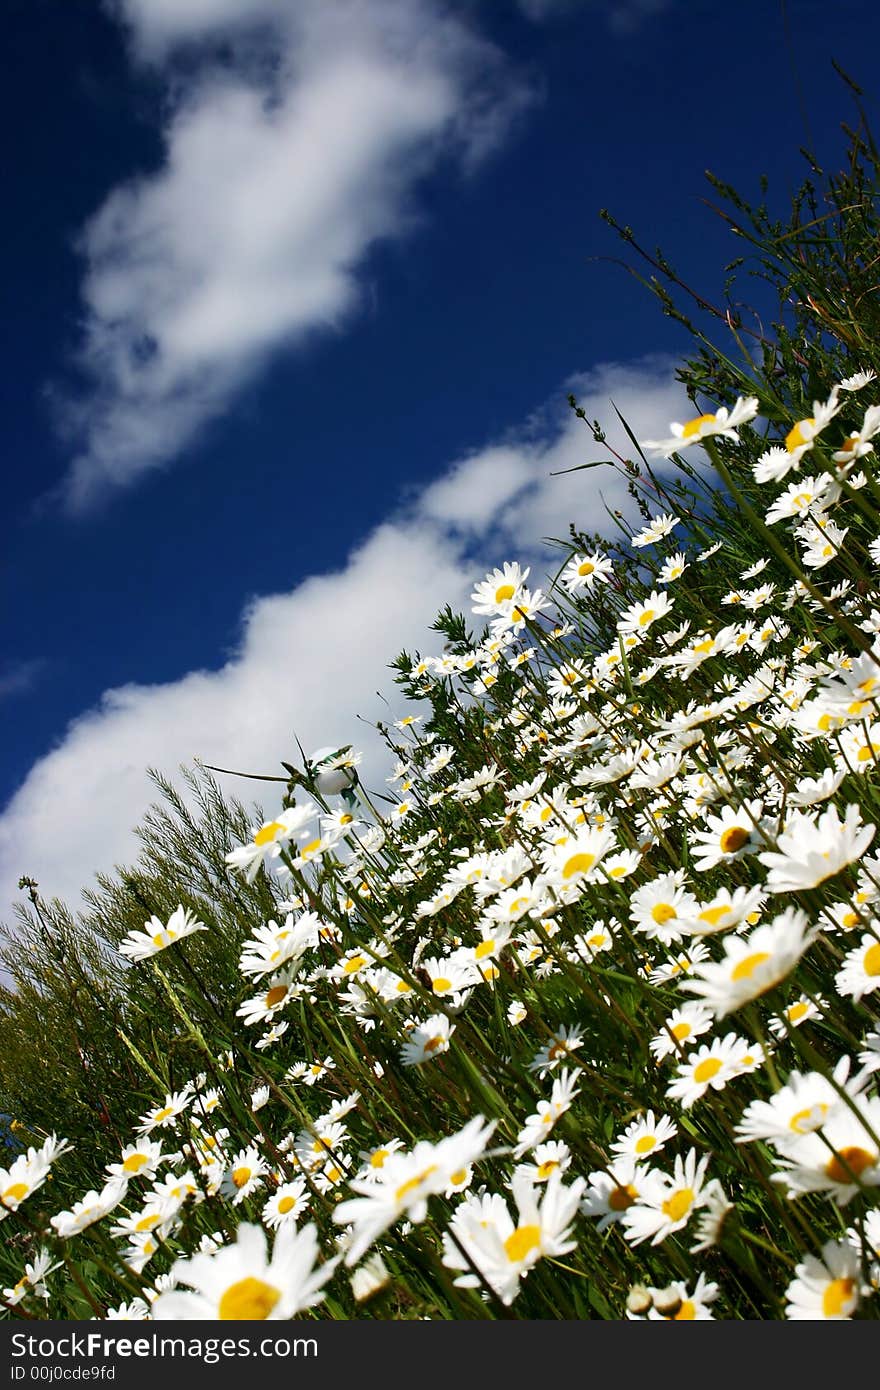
283	165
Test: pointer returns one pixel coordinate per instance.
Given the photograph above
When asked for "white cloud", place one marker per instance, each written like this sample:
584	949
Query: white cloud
311	661
281	169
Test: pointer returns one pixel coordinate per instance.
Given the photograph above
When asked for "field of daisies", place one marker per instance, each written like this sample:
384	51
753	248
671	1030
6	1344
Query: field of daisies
578	1015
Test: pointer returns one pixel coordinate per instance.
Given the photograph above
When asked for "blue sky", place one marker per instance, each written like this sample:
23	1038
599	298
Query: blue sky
295	296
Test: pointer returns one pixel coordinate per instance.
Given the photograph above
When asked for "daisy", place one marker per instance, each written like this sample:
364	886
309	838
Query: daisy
841	1161
722	422
369	1279
373	1160
809	790
576	861
809	851
427	1040
799	1107
137	1161
407	1181
673	568
667	1203
656	529
677	1304
286	1204
89	1209
827	1287
728	836
612	1191
640	616
801	436
33	1281
539	1124
799	1011
860	973
28	1172
561	1045
710	1065
272	946
503	1249
724	911
141	945
858	380
644	1136
164	1115
584	571
804	497
451	977
241	1283
658	907
263	1007
547	1159
498	589
680	1028
245	1174
713	1214
269	839
752	965
524	607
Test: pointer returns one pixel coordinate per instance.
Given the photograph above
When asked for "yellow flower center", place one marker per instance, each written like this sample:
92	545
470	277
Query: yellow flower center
249	1300
798	436
486	948
647	617
458	1177
836	1296
159	940
275	995
733	838
645	1144
441	985
619	1198
797	1011
412	1184
504	592
804	1121
285	1204
586	567
686	1313
693	427
351	967
871	961
433	1043
266	834
849	1164
15	1193
134	1163
707	1069
547	1167
663	912
745	968
680	1031
713	915
147	1223
241	1175
578	864
679	1204
163	1114
522	1242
